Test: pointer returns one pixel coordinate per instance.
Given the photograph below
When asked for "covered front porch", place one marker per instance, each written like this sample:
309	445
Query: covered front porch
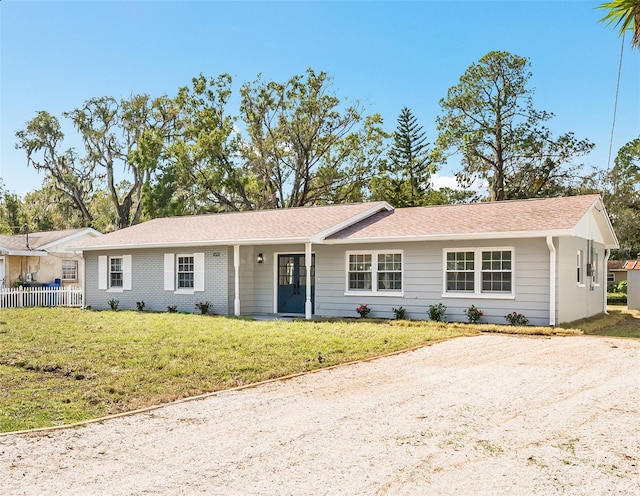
272	280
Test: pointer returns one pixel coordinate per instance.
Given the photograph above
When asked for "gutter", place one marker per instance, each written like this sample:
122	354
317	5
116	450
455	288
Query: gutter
449	237
194	244
552	281
21	253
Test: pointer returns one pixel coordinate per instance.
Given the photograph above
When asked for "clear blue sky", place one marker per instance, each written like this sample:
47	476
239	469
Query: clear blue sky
387	54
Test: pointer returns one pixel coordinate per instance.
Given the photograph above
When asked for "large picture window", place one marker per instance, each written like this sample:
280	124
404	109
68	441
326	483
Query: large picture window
478	271
375	272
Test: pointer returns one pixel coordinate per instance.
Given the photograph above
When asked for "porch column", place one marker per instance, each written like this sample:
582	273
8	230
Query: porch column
236	285
307	263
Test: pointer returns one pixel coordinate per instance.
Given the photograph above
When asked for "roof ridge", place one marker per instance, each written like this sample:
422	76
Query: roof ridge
285	209
502	202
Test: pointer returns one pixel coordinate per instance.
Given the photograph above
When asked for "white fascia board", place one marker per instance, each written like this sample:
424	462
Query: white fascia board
321	236
194	244
66	239
26	253
602	212
452	237
584	228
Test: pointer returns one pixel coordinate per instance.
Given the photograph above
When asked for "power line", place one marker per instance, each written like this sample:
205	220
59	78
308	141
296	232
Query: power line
615	104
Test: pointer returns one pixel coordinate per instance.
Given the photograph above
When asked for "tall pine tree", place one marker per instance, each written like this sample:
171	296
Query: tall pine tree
405	180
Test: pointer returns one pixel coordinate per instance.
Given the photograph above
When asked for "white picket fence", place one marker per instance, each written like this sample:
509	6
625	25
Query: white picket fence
40	297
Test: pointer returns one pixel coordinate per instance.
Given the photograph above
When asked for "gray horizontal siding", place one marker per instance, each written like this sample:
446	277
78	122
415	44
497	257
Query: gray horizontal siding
575	302
246	279
423	276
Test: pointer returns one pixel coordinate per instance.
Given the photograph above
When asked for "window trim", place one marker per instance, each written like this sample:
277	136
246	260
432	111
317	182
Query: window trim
187	289
75	263
595	269
580	269
104	273
374	291
477	271
171	273
110	272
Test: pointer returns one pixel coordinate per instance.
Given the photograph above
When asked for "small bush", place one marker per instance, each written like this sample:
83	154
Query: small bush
113	303
474	314
516	319
399	313
172	308
140	306
363	310
203	306
622	287
437	312
616	298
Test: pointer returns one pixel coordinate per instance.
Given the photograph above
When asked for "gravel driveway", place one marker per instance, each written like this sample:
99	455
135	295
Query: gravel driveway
486	415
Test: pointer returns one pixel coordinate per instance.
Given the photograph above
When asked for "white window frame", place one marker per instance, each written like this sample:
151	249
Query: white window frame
374	291
171	273
104	273
594	268
580	269
611	277
121	271
192	272
477	268
75	270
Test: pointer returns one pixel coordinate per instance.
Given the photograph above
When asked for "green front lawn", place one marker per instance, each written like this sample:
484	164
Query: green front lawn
620	322
59	366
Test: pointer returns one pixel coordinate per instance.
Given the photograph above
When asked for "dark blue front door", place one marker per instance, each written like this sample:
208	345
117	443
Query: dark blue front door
292	283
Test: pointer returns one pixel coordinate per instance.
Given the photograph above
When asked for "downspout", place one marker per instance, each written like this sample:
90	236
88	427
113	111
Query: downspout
552	281
605	281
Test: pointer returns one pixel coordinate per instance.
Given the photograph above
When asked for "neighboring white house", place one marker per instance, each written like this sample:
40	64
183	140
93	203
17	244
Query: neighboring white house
543	258
633	284
43	257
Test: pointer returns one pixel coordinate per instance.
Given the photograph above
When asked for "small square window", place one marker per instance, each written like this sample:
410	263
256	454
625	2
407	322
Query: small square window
69	270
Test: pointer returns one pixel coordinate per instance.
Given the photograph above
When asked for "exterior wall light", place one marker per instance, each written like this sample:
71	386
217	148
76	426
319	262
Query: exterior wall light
260	258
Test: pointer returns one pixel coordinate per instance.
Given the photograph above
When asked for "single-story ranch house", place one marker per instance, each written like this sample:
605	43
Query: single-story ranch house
543	258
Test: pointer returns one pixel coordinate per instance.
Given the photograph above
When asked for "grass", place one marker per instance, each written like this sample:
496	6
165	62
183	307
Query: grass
59	366
618	322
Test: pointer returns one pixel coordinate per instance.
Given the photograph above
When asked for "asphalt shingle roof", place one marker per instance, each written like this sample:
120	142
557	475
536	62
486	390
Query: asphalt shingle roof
362	221
236	227
545	215
18	242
